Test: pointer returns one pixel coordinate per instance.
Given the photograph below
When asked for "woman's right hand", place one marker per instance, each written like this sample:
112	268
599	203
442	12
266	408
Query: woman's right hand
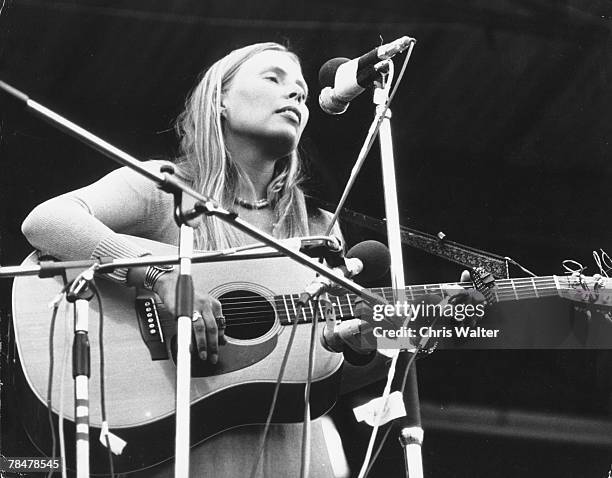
208	323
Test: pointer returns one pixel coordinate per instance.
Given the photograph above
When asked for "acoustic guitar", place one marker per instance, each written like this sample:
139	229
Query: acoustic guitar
259	302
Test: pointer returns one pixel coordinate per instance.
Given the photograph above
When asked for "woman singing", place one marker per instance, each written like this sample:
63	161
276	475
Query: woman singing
238	135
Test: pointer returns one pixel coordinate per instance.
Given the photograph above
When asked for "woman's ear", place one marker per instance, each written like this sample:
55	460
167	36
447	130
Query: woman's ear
222	105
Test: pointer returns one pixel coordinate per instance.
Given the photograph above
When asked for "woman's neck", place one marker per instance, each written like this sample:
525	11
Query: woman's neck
258	167
260	175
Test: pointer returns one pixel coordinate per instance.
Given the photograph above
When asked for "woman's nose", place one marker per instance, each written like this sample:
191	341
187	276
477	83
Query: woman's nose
295	92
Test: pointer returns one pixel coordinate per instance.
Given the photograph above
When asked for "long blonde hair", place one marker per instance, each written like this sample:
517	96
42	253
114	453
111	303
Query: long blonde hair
205	161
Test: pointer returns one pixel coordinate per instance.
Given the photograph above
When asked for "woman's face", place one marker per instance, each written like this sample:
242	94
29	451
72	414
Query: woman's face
266	103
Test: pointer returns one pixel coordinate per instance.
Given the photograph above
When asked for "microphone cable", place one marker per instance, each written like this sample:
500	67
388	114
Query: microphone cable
55	304
60	418
378	416
279	379
390	426
50	384
306	429
105	431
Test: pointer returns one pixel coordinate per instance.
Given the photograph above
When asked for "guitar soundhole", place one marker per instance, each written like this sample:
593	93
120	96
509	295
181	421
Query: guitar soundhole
247	315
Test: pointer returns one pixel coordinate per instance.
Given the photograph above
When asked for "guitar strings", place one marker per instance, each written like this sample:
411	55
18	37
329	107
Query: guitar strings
508	290
255	319
267	300
248	309
261	300
526	282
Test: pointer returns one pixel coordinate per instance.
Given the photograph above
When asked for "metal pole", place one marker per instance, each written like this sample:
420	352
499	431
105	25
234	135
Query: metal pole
184	311
414	434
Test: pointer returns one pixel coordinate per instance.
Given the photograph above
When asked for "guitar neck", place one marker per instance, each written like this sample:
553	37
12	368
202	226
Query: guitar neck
503	291
344	304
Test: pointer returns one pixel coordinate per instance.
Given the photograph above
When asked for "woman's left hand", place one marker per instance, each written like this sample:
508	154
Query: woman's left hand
460	295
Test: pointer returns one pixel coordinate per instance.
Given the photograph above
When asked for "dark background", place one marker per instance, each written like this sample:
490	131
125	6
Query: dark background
502	131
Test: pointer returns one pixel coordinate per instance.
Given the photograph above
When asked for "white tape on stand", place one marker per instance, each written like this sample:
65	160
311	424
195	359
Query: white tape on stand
394	408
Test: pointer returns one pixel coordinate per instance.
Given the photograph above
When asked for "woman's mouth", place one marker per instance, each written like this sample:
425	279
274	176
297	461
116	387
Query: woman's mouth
291	112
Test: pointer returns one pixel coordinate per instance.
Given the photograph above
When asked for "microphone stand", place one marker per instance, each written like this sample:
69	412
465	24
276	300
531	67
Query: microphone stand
80	294
411	435
184	310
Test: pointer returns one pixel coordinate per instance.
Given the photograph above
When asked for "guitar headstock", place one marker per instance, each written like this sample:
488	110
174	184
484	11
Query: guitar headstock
594	290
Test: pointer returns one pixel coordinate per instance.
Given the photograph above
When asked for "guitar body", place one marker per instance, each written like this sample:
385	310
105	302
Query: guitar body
140	390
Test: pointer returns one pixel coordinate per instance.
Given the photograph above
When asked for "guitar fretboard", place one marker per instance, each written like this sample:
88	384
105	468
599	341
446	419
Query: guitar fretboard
344	304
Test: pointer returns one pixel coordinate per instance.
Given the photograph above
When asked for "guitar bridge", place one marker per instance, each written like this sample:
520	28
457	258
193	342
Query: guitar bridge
150	327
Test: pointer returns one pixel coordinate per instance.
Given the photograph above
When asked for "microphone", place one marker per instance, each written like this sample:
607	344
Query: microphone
343	79
369	260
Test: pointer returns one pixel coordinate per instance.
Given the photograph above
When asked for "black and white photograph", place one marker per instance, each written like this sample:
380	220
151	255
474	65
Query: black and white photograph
308	239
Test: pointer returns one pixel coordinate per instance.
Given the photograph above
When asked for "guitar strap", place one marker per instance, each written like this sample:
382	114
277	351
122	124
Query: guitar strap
437	245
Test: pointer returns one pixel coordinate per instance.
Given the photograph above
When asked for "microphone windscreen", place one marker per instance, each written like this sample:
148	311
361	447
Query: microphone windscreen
327	73
375	257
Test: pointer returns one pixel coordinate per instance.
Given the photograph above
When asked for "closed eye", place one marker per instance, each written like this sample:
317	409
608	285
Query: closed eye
276	74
